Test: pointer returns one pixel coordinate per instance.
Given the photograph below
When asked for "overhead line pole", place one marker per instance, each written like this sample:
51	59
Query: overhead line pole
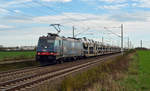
73	31
128	43
122	39
102	40
141	43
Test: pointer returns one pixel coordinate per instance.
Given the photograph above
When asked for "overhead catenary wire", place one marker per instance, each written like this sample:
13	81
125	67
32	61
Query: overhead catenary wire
111	32
38	9
51	9
12	11
31	16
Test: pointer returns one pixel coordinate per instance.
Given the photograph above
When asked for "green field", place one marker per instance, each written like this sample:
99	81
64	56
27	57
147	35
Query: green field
144	69
138	75
6	56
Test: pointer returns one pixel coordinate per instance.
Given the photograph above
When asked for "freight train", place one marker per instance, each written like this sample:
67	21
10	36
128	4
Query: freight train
55	49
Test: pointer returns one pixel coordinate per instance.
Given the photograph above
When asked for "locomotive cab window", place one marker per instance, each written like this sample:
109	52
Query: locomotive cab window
50	41
59	42
45	42
45	45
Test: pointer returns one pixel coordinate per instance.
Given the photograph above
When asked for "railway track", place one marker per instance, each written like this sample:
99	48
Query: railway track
29	81
12	74
16	73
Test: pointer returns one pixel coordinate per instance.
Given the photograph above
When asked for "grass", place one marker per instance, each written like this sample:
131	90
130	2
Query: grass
130	81
144	69
19	65
138	74
6	56
105	77
108	76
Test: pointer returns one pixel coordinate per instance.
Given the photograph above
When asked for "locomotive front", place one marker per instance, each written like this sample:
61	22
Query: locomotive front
48	49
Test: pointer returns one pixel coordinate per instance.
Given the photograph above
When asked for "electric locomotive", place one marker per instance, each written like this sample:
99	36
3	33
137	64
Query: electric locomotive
53	48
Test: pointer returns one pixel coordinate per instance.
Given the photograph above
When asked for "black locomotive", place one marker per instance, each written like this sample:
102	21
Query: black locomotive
53	48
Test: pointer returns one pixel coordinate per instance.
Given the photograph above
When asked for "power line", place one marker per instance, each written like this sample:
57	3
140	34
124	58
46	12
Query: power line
34	8
51	9
111	32
82	32
12	11
38	9
121	36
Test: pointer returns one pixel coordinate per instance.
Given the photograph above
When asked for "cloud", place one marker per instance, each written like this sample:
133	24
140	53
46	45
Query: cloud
17	11
5	27
19	19
131	17
3	11
113	7
94	22
20	3
71	19
134	23
142	3
7	4
113	1
57	0
81	19
106	1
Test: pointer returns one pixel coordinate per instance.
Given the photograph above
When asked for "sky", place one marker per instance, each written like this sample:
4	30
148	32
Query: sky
22	22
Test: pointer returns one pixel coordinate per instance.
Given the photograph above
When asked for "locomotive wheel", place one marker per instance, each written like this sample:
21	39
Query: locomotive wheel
60	61
75	59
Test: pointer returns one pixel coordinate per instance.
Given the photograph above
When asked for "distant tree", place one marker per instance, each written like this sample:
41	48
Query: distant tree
139	48
35	48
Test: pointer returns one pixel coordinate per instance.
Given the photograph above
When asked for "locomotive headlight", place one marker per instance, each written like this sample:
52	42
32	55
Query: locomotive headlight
45	47
38	53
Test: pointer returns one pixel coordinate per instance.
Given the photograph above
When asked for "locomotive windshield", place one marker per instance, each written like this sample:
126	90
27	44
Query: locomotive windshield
45	45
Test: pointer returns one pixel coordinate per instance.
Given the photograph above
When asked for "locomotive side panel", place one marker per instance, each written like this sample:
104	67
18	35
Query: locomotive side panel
72	48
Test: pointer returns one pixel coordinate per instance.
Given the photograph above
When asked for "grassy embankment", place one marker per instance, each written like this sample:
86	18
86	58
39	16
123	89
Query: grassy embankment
105	76
7	56
128	73
125	73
